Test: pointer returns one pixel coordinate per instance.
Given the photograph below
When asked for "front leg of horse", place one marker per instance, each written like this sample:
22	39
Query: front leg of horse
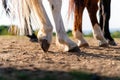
45	33
97	33
104	20
62	37
45	37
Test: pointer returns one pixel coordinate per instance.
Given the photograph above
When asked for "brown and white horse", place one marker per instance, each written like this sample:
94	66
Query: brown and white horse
45	32
25	7
78	7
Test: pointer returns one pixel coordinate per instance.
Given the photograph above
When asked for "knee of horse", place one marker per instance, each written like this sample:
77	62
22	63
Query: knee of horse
48	29
45	37
45	32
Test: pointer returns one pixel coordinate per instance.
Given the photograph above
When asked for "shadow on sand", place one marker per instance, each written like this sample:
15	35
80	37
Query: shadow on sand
37	74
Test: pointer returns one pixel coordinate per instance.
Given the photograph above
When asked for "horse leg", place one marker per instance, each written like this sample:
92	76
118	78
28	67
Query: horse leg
28	27
62	37
97	33
30	32
101	12
45	33
77	31
104	20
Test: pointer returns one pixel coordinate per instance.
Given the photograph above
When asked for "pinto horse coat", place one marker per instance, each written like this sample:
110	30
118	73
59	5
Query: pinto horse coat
78	6
25	7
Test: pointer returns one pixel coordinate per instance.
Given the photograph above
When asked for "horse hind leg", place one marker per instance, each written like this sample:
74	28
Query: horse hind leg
97	33
45	33
45	36
29	31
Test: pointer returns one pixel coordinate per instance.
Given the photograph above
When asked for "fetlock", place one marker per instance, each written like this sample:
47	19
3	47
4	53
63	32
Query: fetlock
97	33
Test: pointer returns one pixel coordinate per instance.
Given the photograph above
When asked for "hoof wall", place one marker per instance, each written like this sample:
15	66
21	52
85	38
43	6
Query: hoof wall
44	45
112	43
32	38
75	49
84	45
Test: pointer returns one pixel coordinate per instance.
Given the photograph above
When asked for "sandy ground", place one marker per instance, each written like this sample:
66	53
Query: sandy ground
18	53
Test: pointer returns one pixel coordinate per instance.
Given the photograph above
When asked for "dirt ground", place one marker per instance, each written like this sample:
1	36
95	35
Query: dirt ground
18	54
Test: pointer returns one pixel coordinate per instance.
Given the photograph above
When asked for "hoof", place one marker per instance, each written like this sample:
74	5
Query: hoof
84	45
44	44
112	43
34	40
103	45
75	49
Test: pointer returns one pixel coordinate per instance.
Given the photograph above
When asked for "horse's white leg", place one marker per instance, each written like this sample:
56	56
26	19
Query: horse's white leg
97	33
45	33
61	34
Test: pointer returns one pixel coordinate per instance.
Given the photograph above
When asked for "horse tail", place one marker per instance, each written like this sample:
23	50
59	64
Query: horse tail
5	7
74	5
13	30
71	7
4	3
37	9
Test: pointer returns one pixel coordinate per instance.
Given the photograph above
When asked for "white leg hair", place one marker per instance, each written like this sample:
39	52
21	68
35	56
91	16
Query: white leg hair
26	14
81	41
46	28
61	34
45	32
97	33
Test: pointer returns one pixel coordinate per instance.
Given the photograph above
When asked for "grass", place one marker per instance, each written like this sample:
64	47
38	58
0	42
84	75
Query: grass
115	34
4	31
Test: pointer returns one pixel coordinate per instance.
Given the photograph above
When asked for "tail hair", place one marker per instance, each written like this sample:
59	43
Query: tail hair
74	5
71	7
5	6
